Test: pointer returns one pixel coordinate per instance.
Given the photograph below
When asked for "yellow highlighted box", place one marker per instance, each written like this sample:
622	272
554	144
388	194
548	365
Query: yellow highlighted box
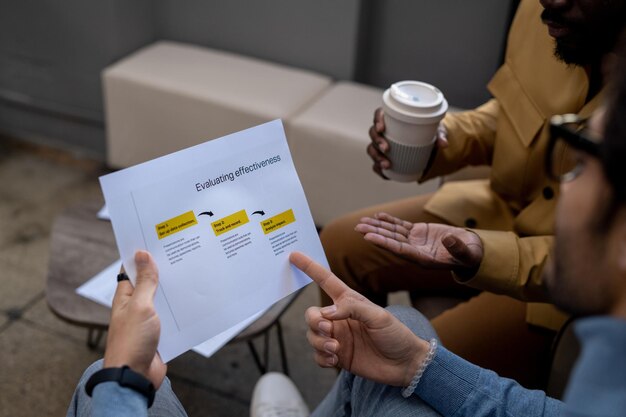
228	223
280	220
176	224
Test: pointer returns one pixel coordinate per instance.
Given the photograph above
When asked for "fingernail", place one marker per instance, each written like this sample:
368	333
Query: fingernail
332	361
330	347
141	258
325	327
329	310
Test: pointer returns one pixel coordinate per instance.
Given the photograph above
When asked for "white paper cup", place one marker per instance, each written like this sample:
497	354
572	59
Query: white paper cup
412	112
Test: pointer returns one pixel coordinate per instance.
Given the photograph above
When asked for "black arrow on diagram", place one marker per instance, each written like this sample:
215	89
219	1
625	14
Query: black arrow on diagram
261	212
208	213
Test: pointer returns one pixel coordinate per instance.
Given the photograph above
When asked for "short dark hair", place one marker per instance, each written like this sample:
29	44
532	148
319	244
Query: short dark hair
613	153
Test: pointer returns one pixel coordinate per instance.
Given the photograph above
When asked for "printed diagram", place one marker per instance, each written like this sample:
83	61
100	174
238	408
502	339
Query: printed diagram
231	243
231	222
176	224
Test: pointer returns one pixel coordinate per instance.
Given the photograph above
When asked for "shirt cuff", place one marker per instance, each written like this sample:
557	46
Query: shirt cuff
447	382
499	268
111	399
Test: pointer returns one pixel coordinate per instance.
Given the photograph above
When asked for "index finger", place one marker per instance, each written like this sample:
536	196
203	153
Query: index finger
327	281
378	119
123	290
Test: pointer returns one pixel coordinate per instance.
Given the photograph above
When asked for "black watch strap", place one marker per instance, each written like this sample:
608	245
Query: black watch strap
126	378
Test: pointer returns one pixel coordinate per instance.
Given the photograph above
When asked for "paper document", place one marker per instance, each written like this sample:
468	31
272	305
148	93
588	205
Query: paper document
220	219
101	289
103	213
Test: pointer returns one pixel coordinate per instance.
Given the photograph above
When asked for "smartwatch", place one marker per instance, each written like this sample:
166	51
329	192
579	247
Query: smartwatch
126	378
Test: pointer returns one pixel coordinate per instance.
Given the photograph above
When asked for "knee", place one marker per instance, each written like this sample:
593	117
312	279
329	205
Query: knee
414	320
334	233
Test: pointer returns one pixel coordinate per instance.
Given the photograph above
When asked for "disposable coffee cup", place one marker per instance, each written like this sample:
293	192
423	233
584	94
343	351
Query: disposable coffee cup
412	112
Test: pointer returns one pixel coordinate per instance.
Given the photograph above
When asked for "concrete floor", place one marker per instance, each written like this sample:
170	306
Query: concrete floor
42	357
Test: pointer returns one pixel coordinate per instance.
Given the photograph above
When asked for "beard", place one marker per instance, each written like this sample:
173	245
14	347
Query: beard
574	53
576	282
588	41
560	288
583	50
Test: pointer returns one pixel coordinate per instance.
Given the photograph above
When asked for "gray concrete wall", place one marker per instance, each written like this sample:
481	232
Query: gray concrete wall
454	44
52	53
320	35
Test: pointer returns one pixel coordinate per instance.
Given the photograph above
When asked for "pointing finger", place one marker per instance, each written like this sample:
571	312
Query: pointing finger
327	281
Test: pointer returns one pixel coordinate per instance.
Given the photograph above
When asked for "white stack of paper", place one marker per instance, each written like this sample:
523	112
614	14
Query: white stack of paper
101	289
220	220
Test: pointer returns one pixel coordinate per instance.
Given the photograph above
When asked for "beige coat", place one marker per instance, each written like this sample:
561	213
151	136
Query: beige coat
513	211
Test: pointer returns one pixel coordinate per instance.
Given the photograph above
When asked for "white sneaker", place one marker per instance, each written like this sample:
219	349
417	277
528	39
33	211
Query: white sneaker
276	396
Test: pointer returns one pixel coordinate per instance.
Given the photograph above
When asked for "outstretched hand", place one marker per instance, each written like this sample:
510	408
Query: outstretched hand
135	327
431	245
358	335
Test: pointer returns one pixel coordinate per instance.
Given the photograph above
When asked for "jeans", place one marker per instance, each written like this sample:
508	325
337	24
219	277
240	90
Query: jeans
165	404
350	395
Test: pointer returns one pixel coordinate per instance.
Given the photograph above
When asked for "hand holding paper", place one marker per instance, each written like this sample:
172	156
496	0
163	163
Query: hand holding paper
135	327
220	219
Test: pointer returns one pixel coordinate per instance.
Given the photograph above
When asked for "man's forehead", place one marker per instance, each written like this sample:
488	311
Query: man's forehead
590	6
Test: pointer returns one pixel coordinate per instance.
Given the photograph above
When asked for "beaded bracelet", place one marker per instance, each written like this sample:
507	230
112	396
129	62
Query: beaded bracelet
408	391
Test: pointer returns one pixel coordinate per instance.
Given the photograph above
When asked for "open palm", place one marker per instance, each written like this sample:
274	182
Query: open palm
431	245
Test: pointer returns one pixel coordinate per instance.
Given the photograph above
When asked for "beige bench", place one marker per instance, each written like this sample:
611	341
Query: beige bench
169	96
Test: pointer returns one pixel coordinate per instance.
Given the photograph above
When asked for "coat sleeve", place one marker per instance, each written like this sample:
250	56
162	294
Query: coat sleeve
512	265
471	137
112	400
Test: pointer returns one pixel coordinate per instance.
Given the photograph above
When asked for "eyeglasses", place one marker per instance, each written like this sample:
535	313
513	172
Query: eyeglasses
568	134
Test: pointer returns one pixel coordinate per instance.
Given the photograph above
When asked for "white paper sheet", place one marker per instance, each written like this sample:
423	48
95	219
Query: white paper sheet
220	219
103	213
101	289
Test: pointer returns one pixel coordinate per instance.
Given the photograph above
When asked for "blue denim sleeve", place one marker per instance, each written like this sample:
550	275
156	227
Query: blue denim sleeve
455	387
109	399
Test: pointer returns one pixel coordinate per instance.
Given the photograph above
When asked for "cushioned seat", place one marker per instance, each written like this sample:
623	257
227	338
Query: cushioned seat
328	141
168	96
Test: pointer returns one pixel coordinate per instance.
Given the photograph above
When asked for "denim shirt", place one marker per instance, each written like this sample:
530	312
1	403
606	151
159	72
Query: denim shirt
455	387
598	383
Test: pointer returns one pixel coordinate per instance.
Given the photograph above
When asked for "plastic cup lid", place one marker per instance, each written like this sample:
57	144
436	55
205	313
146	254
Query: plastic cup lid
417	94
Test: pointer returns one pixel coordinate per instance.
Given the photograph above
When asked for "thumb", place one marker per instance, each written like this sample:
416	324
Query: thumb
461	251
147	276
442	137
